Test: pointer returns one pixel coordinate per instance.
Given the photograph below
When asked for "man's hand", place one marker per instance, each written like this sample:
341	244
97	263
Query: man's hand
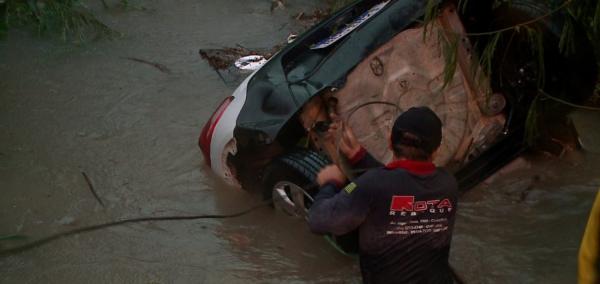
332	174
349	145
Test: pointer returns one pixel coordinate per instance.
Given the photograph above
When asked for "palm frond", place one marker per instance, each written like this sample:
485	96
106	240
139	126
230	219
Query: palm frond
432	11
536	40
449	49
486	58
531	123
566	44
462	5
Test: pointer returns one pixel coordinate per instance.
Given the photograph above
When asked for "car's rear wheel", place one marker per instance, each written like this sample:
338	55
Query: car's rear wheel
290	180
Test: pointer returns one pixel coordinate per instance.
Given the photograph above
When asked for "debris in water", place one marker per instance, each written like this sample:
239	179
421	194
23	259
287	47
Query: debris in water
310	19
91	187
67	220
292	37
223	60
250	62
160	67
534	181
277	4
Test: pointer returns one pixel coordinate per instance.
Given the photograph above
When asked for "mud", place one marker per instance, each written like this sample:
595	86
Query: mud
67	109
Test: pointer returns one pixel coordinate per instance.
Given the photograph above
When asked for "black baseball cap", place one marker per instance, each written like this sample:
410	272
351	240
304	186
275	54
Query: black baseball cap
421	122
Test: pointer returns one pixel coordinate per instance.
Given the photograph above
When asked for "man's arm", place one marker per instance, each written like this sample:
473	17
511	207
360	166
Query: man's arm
357	156
338	211
362	160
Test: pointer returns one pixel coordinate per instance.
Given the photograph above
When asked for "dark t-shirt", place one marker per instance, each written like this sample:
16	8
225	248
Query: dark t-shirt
405	216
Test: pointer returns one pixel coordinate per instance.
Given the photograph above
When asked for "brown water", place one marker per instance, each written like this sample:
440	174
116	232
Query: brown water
514	231
67	109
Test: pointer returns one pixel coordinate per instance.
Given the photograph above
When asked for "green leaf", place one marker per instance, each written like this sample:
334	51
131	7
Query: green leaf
450	50
531	123
536	39
567	43
431	13
487	56
462	5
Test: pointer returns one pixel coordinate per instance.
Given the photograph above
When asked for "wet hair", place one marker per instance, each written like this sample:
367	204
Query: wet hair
410	146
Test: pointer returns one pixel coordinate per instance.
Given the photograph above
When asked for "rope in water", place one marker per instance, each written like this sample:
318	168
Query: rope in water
85	229
91	228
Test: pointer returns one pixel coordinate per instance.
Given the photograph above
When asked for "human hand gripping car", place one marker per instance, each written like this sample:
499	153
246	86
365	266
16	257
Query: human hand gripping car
404	211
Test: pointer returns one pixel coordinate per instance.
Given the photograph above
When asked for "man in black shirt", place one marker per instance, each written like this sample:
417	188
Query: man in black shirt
404	211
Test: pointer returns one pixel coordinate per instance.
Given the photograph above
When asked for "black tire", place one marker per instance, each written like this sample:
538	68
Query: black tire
300	168
297	168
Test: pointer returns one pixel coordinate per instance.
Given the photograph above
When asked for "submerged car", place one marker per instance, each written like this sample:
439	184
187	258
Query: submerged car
365	64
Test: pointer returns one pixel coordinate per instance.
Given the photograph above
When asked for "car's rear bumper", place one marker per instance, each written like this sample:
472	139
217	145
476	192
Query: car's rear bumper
223	143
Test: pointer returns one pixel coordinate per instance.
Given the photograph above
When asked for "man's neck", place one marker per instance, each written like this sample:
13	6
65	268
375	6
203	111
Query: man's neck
412	166
396	158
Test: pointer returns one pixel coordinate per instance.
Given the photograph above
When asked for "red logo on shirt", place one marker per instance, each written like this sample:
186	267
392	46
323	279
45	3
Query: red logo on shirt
401	203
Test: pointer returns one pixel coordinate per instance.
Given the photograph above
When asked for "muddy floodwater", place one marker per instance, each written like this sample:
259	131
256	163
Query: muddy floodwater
132	128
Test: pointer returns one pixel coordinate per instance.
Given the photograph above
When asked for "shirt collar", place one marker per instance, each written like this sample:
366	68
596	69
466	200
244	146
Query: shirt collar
413	167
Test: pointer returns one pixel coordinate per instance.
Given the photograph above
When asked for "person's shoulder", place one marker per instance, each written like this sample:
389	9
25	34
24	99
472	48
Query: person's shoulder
372	173
372	176
443	172
447	178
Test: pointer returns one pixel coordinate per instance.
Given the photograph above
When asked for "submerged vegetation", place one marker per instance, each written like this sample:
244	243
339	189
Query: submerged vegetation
70	19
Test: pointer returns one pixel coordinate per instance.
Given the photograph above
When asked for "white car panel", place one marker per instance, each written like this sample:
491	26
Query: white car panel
222	138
